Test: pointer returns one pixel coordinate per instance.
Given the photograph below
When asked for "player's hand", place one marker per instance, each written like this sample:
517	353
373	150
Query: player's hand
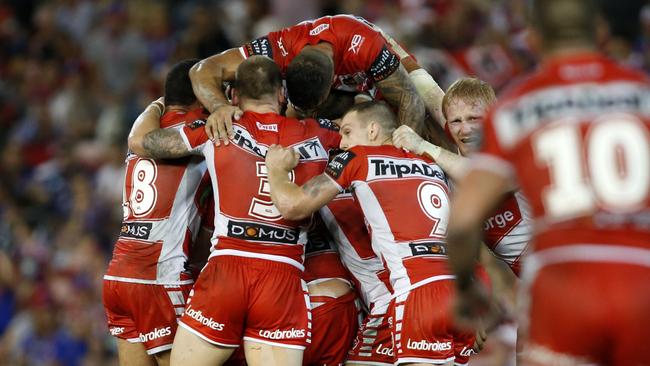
404	137
473	307
481	337
281	158
219	124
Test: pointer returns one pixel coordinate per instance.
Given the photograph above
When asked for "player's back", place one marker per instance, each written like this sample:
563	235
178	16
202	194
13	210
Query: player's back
577	134
405	200
344	220
161	217
246	221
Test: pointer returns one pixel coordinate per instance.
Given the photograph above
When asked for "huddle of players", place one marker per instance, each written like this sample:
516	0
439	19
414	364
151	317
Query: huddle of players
379	206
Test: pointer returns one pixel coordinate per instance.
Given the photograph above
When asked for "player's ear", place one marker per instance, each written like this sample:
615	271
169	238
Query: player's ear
282	95
235	97
372	130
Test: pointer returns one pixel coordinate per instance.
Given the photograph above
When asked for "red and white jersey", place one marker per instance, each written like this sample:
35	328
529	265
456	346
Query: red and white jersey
161	216
345	222
247	224
509	230
361	55
576	134
405	201
322	260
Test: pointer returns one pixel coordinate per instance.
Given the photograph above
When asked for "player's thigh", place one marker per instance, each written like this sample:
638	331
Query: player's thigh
162	358
190	349
262	354
133	354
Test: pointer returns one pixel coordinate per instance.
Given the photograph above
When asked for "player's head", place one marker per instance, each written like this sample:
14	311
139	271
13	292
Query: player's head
309	79
178	87
565	24
258	79
368	123
464	106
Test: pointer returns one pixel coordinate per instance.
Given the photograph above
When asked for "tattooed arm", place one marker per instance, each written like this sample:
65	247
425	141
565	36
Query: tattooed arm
296	202
148	140
164	144
399	91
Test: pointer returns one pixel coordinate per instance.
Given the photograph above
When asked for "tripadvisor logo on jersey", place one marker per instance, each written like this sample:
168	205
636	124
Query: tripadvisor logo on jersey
381	168
282	334
258	232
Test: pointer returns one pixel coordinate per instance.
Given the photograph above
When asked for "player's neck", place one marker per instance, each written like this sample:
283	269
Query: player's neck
260	106
563	51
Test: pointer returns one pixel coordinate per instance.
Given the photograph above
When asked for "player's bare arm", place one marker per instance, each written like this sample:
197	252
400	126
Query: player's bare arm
147	121
479	194
164	144
454	165
399	91
295	202
424	83
207	77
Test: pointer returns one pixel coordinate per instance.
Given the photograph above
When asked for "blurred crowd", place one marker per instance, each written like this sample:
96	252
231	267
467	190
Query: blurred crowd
74	74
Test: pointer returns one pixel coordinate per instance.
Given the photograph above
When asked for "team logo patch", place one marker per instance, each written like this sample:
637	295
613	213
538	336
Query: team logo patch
328	124
384	65
196	124
340	161
137	230
258	232
260	46
428	248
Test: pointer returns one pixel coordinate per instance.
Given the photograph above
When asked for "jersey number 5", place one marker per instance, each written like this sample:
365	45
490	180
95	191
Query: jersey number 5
264	208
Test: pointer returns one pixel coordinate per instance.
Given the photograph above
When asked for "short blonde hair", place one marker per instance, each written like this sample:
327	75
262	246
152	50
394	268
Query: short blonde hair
469	90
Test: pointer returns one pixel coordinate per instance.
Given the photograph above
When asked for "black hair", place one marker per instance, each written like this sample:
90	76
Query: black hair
309	78
178	87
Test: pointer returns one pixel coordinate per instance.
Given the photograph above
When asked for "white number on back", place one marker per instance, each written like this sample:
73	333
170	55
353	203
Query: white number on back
610	167
143	194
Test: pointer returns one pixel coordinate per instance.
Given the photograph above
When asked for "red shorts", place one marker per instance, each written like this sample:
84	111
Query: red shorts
250	298
334	325
144	313
596	312
373	344
423	329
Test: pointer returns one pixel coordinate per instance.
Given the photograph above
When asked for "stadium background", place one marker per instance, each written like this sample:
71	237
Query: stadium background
74	74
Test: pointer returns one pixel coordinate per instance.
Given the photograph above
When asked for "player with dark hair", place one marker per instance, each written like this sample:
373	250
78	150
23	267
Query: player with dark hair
332	52
252	287
575	135
147	281
404	198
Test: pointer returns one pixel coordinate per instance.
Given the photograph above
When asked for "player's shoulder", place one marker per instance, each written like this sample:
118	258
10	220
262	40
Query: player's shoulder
193	118
321	124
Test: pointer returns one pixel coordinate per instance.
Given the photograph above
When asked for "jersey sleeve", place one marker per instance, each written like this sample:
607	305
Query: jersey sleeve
194	135
259	46
331	138
368	50
345	168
